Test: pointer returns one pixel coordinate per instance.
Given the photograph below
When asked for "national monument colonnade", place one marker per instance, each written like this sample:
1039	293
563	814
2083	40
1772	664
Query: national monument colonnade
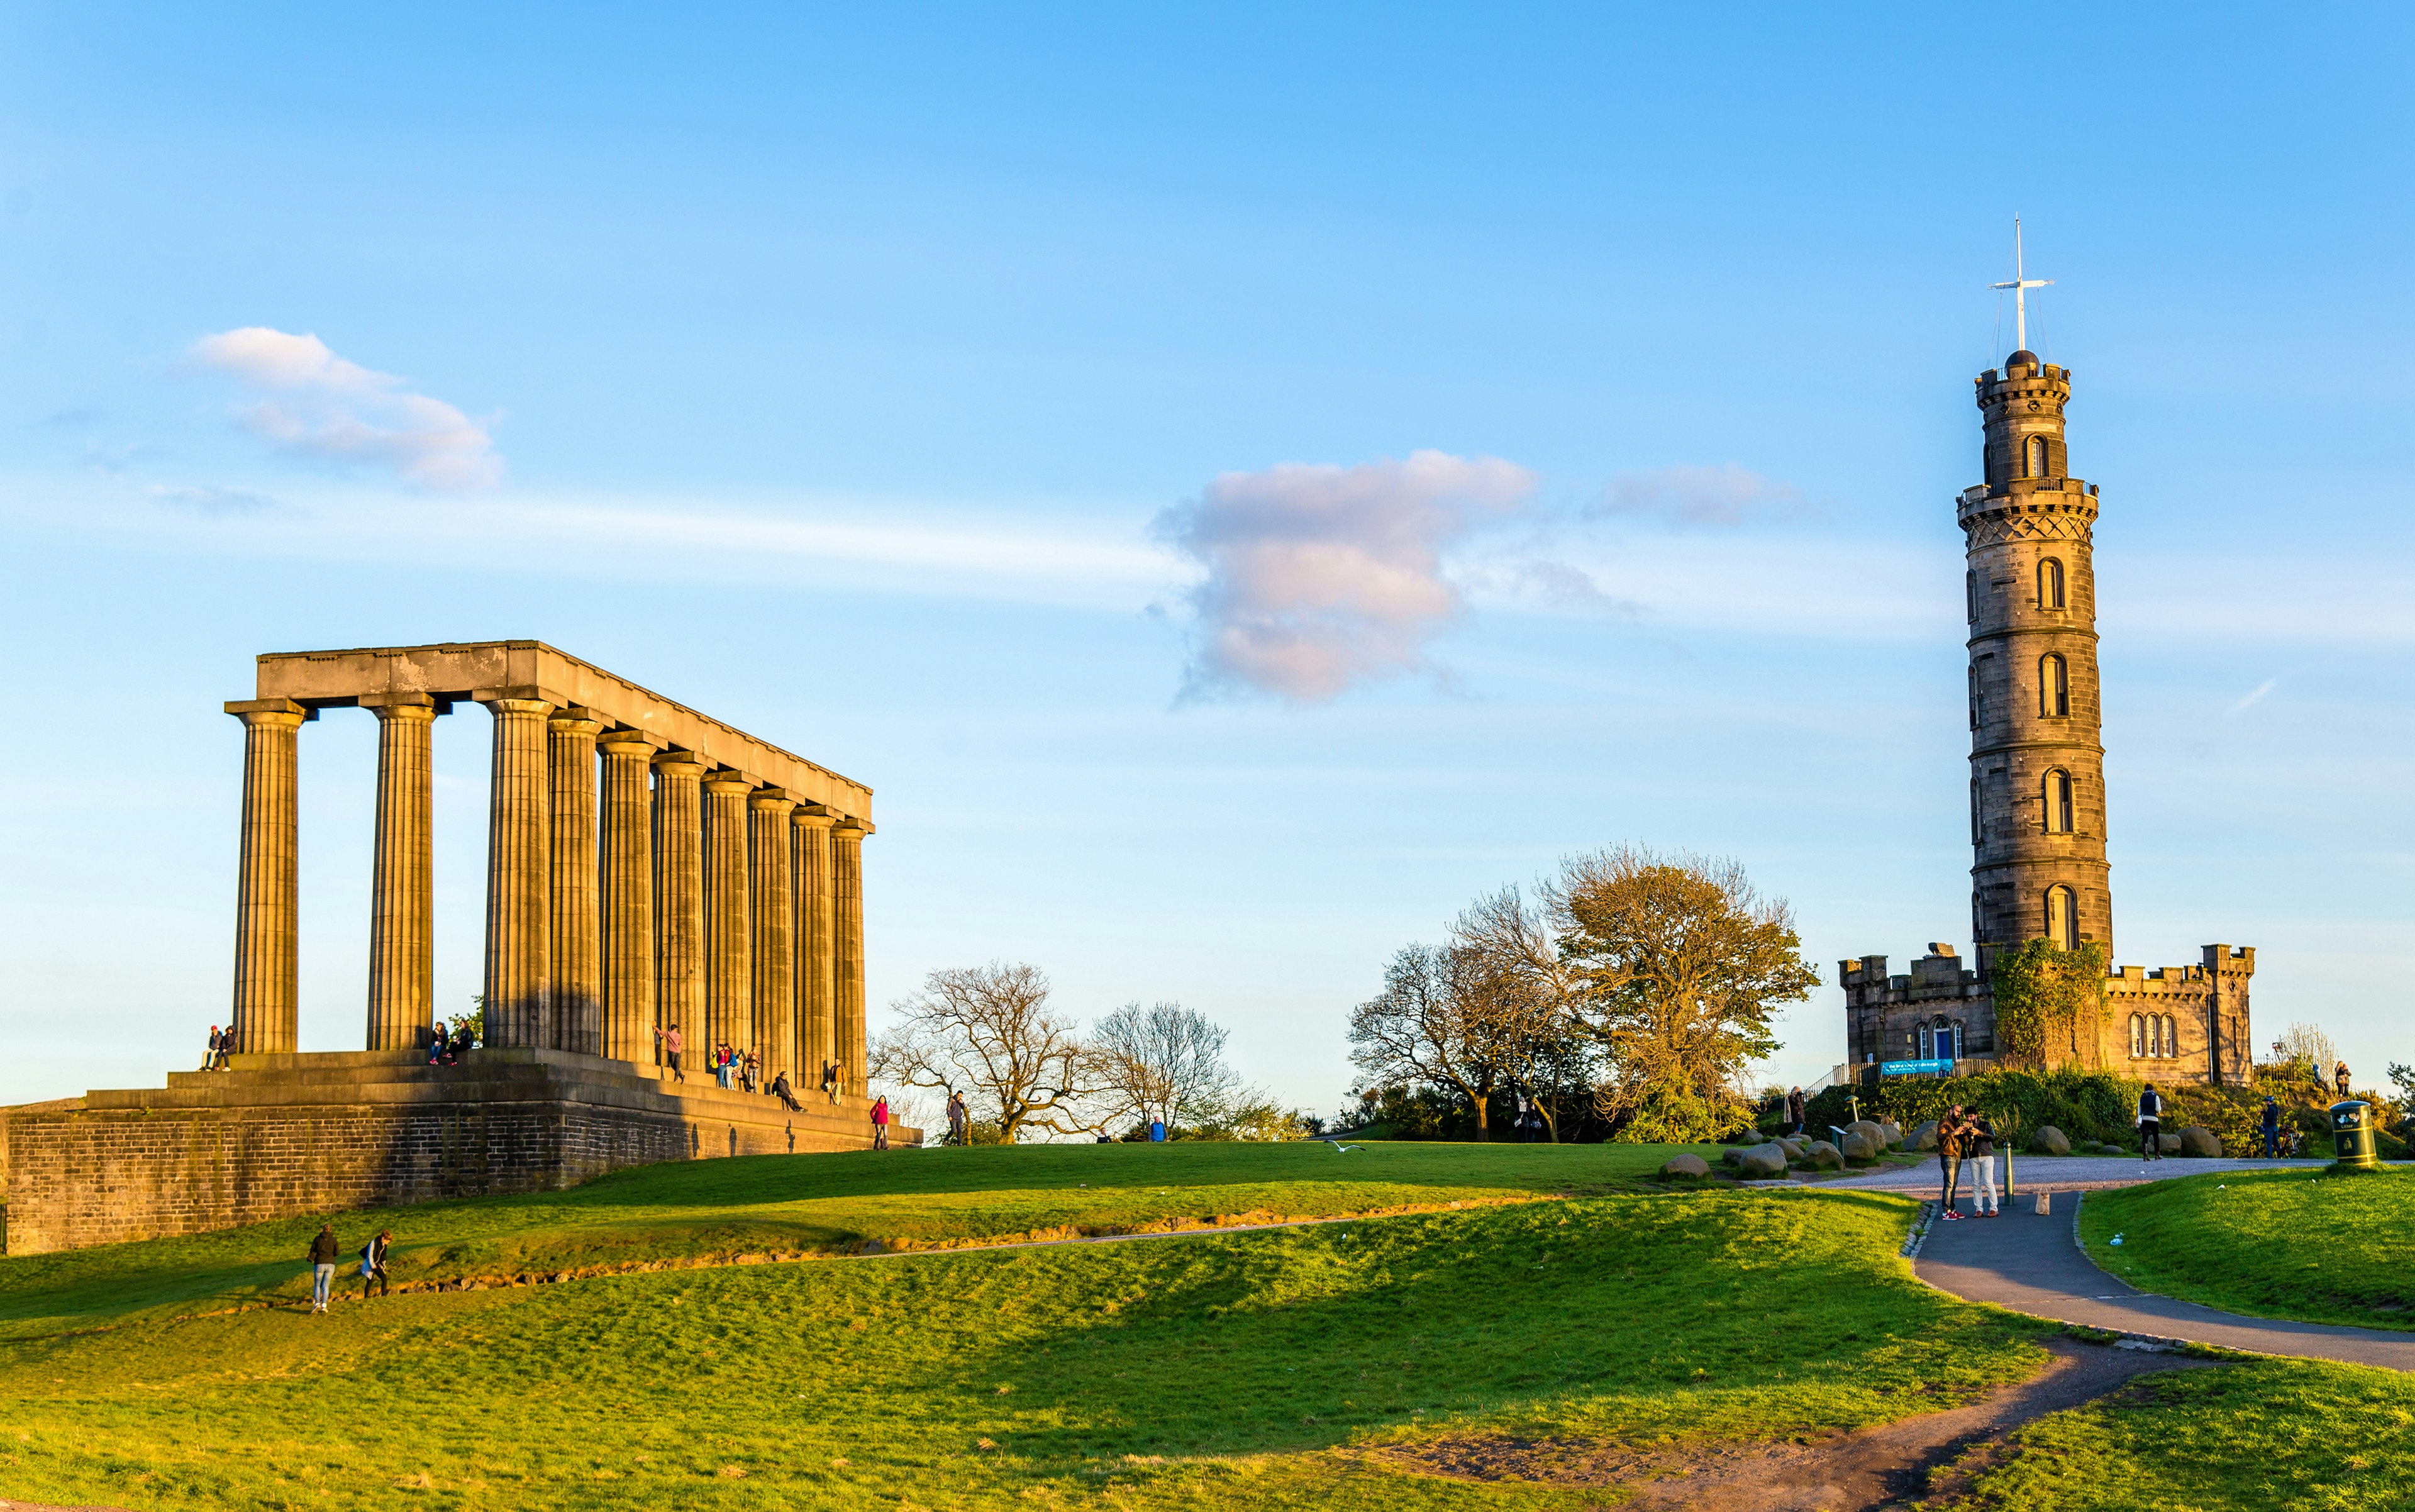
646	866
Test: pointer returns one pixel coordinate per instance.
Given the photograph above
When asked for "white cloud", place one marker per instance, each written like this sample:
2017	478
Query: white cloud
1321	576
2257	696
212	501
1707	498
330	409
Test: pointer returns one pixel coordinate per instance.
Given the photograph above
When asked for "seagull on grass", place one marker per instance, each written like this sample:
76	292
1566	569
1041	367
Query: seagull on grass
1339	1148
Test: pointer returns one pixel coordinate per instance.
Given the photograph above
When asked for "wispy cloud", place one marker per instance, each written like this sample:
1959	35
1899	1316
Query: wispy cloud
1703	498
212	502
326	409
2254	698
1320	576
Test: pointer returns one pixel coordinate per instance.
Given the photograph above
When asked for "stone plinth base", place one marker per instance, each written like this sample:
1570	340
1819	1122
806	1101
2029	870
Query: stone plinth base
280	1135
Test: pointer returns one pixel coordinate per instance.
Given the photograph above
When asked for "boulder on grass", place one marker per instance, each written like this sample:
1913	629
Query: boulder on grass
1859	1146
1870	1127
1892	1131
1760	1163
1821	1153
2168	1143
1923	1136
1685	1165
1793	1148
2199	1144
2049	1140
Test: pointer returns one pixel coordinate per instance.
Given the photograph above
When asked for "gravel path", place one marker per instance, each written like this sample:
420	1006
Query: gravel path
2060	1173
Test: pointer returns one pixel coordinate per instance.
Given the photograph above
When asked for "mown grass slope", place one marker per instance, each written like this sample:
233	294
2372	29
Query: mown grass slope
1217	1372
812	1203
2283	1244
2270	1436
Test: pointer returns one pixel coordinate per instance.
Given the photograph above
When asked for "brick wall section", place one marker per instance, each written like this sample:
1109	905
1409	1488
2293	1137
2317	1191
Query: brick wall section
256	1144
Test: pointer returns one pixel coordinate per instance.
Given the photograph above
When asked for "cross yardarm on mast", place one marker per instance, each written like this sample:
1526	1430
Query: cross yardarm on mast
2020	286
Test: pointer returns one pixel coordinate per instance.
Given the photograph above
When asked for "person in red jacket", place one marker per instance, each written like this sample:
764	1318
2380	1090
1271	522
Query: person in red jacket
880	1124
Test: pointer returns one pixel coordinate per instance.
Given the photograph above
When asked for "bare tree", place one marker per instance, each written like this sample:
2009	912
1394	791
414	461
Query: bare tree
1681	965
1528	997
988	1032
1158	1061
1428	1025
2308	1046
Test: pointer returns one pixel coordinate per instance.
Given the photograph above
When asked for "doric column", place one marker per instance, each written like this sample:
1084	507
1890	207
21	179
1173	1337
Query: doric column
267	912
626	905
847	877
771	914
809	869
729	955
402	880
519	899
679	899
577	975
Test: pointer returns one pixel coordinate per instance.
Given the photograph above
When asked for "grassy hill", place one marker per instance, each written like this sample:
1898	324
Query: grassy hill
2297	1243
1562	1303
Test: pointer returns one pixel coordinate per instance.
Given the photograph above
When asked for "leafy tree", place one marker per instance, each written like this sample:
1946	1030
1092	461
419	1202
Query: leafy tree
1680	965
989	1033
1430	1025
1162	1061
1527	992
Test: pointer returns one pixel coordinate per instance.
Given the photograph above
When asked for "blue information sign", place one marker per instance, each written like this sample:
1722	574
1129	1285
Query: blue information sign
1916	1067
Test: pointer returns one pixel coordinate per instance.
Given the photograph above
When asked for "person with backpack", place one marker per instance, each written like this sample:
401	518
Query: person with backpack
324	1251
1979	1146
2150	1124
1949	1158
2271	1126
373	1263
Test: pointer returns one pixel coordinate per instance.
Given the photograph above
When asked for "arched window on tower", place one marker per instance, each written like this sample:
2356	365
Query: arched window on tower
2054	686
1978	827
2049	583
1974	698
2063	916
2137	1037
2055	797
2037	457
1971	596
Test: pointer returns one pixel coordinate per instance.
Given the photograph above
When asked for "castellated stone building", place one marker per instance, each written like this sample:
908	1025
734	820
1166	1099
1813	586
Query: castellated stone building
2038	804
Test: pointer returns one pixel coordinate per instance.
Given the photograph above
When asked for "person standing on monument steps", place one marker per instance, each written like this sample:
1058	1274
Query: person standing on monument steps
671	1045
324	1251
2150	1124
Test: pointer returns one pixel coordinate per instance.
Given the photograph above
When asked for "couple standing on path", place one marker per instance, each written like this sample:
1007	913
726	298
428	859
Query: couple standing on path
1967	1135
324	1251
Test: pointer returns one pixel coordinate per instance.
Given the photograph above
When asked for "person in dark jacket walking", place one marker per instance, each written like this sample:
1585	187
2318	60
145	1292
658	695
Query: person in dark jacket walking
2272	1128
373	1263
2151	1125
1794	1110
323	1252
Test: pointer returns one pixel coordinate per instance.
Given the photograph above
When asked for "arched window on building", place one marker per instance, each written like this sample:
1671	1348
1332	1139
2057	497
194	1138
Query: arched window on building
2037	457
2054	686
2171	1036
2137	1037
2063	916
2055	800
1978	827
1945	1039
2050	585
1971	596
1923	1045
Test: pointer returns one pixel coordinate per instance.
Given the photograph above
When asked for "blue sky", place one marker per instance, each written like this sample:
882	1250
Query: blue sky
860	377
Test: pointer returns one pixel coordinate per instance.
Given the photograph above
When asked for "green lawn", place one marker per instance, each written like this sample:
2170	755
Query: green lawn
2283	1244
816	1205
1224	1371
2270	1436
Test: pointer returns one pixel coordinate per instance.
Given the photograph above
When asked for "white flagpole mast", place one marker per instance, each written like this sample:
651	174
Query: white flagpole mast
2020	286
